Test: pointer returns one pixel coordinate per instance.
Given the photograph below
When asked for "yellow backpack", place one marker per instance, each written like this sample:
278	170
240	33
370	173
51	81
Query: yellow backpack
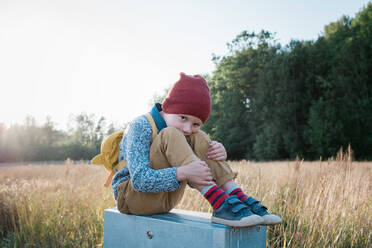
110	151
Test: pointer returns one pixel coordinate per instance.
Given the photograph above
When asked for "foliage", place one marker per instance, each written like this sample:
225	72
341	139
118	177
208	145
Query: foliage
31	142
306	99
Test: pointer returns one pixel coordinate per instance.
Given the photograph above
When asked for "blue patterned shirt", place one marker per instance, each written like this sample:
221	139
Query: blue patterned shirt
135	150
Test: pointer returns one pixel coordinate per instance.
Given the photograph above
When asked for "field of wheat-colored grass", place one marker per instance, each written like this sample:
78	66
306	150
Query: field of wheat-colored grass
322	204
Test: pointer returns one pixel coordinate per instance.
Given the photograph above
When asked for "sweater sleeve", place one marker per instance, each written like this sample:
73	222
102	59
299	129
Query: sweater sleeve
137	153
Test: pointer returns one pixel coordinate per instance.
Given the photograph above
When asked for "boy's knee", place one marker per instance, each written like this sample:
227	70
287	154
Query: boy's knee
199	140
171	136
201	136
171	132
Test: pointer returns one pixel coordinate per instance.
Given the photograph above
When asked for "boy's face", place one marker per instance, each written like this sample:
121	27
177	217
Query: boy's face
187	124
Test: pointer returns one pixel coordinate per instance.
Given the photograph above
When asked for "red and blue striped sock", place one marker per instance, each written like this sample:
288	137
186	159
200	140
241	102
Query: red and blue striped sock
215	195
239	193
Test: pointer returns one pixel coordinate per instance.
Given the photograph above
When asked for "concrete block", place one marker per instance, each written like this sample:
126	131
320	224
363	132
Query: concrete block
179	228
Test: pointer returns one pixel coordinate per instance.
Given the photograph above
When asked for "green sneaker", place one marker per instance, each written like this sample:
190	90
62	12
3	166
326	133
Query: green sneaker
233	212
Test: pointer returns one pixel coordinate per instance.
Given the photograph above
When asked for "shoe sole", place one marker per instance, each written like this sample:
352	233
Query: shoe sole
252	220
271	219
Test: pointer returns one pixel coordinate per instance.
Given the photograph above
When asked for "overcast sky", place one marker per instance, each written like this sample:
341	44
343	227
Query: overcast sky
109	57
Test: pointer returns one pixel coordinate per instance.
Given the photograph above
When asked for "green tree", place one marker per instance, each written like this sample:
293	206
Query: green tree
341	114
232	91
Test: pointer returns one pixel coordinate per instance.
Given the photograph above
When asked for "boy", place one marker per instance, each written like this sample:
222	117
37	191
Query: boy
159	168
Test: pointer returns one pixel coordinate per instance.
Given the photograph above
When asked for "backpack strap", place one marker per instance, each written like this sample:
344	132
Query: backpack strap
153	125
115	169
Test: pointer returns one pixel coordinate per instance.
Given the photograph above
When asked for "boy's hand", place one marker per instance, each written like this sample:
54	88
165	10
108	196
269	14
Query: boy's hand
195	173
216	151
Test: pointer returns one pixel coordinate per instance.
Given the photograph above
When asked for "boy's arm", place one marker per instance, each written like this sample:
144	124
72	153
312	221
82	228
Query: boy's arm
137	150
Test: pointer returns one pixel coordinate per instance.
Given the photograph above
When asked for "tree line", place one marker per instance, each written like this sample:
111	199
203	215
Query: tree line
32	142
269	102
306	99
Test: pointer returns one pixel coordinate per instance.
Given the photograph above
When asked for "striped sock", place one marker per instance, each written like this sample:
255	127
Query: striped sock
238	192
215	196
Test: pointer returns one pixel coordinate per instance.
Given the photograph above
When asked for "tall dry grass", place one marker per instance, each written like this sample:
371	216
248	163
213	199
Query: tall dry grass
322	204
53	206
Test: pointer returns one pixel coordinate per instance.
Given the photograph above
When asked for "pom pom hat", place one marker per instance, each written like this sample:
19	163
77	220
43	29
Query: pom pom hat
189	96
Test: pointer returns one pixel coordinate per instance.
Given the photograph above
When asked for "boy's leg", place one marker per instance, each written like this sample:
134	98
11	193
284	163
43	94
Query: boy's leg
173	149
224	177
221	171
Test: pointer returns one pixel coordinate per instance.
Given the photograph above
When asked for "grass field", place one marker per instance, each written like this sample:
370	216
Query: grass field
322	204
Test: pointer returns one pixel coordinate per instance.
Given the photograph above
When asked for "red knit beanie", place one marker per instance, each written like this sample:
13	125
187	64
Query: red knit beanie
189	96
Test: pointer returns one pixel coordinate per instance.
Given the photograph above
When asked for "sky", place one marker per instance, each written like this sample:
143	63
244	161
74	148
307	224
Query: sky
59	58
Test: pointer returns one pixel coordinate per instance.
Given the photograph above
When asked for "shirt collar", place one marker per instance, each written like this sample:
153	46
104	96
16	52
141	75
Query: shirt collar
155	113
